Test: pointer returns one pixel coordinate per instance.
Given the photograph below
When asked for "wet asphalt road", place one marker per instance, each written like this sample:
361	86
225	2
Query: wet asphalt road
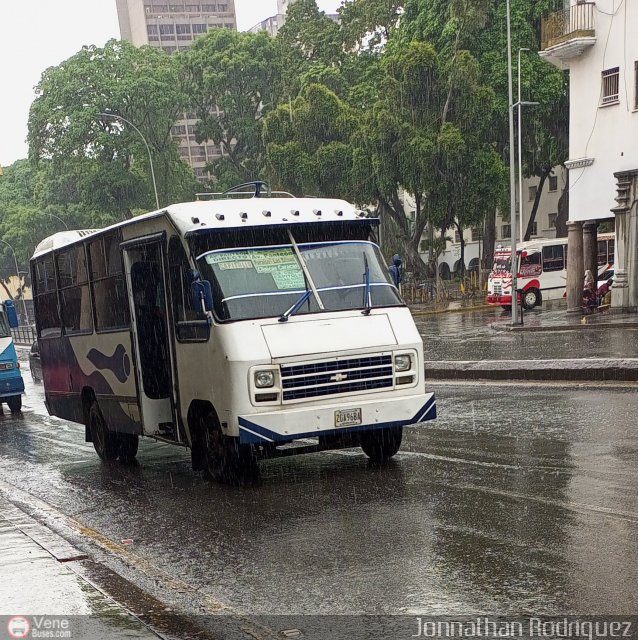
472	336
489	510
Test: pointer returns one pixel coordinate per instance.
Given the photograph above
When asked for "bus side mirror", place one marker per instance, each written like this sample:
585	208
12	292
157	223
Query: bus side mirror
12	315
202	295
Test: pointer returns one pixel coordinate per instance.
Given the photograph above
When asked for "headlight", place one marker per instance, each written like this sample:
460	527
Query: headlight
402	362
264	379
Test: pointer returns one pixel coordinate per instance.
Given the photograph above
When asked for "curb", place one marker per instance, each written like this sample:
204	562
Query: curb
578	326
424	312
583	369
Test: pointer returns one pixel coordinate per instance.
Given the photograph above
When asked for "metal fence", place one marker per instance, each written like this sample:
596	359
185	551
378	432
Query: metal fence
23	335
561	25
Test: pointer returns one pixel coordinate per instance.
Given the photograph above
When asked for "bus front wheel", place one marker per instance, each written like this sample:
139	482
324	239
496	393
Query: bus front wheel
15	404
381	444
531	298
106	442
228	461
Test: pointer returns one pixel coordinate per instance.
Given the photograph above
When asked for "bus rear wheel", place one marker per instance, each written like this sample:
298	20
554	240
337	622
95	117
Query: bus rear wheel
228	461
128	444
531	298
381	444
106	442
15	404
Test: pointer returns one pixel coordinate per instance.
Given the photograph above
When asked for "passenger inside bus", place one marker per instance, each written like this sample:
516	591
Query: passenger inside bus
148	296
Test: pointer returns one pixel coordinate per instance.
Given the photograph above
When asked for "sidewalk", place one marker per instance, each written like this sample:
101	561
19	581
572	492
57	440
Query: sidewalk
482	344
39	588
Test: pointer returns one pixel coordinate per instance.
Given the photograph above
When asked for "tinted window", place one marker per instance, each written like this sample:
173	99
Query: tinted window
553	258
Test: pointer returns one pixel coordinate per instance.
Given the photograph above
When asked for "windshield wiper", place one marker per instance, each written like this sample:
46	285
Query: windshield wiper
295	307
304	268
367	296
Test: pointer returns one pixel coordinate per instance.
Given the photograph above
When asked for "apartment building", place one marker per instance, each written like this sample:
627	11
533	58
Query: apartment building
272	24
596	43
173	26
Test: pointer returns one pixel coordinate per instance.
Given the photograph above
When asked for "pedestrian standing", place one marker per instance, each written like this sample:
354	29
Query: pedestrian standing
396	271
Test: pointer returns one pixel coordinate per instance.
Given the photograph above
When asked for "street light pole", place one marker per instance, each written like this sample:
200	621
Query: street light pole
520	147
66	226
15	259
514	262
148	149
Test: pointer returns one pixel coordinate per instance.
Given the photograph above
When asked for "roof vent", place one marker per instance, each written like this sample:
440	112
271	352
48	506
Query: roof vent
195	220
317	212
267	214
219	216
244	216
361	214
339	212
295	212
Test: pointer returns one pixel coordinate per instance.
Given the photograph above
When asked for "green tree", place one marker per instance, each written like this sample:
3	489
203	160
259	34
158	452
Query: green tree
233	82
98	160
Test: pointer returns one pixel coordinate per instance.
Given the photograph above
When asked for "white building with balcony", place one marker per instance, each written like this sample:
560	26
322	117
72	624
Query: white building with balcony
596	42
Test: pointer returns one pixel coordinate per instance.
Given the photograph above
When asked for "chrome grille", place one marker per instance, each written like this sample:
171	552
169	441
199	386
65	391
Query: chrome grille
498	289
316	379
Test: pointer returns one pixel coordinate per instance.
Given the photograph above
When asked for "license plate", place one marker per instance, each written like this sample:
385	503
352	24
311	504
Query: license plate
347	417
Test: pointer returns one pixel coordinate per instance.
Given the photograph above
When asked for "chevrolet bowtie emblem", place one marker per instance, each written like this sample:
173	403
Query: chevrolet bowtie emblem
339	377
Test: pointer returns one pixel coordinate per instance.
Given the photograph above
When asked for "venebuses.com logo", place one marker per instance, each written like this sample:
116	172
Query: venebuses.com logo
18	627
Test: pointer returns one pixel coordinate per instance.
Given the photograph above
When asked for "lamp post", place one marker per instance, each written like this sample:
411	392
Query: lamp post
24	304
66	226
520	146
510	90
148	149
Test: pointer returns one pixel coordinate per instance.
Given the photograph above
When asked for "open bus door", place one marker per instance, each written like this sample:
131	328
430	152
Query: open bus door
147	291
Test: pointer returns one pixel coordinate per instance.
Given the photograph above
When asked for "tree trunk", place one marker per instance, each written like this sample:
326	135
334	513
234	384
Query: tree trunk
489	239
563	211
4	286
537	201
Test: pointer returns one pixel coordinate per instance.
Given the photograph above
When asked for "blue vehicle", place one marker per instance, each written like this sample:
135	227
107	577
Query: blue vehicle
11	383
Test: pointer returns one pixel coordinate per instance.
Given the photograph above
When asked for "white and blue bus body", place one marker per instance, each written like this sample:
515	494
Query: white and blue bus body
11	383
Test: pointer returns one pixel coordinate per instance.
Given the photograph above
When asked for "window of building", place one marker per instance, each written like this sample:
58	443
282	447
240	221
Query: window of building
183	29
169	50
553	183
167	29
457	237
222	7
610	85
553	258
177	8
209	7
199	28
552	220
506	231
191	129
531	193
107	281
476	234
152	29
192	7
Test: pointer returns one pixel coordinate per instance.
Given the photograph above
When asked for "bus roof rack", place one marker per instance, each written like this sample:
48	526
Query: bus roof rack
258	189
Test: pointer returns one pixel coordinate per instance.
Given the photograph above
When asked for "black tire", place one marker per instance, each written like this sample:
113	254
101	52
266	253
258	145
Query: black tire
226	460
381	444
106	442
129	443
531	298
15	404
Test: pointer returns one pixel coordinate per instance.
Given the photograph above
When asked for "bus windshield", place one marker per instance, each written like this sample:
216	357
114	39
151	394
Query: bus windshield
263	282
5	330
502	262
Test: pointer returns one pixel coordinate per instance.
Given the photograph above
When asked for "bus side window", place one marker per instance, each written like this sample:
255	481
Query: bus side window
46	298
602	253
531	265
553	258
190	324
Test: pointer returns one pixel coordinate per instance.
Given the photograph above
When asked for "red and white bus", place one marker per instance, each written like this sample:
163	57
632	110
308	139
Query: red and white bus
542	270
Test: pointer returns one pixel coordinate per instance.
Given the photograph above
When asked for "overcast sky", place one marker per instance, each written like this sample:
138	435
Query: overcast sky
42	33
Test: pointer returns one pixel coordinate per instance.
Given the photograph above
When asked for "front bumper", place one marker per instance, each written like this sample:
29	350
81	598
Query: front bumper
11	386
505	300
309	422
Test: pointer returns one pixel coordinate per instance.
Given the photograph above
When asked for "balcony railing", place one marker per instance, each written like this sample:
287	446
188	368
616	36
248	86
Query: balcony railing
562	26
